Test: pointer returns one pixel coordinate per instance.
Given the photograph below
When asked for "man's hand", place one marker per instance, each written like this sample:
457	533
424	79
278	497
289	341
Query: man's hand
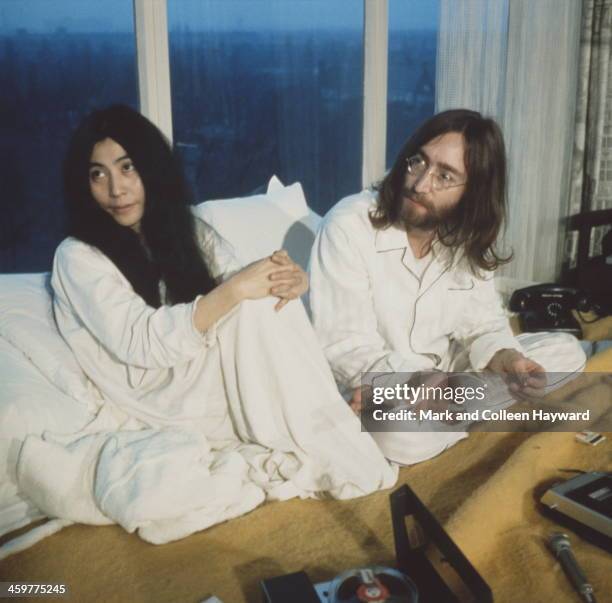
289	283
523	375
356	401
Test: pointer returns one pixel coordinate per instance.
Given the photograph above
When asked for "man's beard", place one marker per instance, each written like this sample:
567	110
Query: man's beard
410	215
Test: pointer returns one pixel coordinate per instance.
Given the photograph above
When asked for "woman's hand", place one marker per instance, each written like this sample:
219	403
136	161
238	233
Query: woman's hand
290	282
254	281
277	275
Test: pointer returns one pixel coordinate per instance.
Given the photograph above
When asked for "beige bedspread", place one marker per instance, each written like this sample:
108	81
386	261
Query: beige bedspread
484	490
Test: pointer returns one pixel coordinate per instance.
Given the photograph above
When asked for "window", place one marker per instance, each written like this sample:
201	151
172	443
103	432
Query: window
258	87
58	61
413	41
268	86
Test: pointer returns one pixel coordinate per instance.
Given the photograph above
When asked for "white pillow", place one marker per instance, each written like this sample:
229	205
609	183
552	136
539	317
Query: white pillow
26	321
42	386
274	184
258	225
30	404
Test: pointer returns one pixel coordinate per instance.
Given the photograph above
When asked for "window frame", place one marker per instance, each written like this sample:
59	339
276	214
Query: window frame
153	62
153	66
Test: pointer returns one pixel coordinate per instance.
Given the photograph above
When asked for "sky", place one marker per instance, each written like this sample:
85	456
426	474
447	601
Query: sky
117	15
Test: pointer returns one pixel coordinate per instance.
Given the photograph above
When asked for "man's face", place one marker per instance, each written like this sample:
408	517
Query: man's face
426	203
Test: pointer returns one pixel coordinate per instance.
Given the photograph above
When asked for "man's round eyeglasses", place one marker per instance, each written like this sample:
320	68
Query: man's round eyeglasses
441	179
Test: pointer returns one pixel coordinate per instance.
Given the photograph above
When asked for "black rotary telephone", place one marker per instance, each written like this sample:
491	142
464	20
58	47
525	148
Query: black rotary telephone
549	308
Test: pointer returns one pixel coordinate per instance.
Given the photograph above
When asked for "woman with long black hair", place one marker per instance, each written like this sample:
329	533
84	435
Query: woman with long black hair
174	334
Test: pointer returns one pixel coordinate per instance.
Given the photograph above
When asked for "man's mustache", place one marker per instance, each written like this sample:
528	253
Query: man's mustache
417	197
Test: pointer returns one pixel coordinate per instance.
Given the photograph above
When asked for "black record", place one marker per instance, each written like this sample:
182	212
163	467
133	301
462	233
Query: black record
373	585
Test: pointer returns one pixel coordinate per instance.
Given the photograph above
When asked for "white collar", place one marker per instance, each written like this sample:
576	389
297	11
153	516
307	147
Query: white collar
395	237
391	237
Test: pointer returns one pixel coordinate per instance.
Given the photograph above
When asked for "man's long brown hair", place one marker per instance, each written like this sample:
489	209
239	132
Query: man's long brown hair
476	222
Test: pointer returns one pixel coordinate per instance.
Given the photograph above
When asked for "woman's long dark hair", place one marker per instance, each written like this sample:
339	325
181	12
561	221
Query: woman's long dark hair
481	212
167	224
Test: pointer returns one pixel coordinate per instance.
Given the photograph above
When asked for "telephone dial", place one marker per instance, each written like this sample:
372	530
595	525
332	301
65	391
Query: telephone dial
549	308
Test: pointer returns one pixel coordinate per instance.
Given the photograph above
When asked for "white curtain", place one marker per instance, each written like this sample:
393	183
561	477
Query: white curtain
516	60
591	173
471	60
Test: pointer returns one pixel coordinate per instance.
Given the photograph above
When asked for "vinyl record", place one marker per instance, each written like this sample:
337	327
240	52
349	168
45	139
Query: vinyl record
372	585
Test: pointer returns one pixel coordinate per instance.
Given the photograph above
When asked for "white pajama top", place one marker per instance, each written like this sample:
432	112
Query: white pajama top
376	308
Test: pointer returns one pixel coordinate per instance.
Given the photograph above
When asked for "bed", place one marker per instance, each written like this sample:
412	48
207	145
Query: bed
484	489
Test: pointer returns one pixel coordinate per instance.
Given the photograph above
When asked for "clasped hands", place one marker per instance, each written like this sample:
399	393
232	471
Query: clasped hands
277	275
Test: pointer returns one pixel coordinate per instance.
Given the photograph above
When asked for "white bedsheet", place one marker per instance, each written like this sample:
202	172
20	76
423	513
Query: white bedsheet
278	435
30	403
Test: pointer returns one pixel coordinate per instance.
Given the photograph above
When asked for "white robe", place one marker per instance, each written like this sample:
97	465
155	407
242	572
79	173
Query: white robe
376	309
193	428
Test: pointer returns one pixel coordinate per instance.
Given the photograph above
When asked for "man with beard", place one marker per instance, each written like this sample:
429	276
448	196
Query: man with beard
402	275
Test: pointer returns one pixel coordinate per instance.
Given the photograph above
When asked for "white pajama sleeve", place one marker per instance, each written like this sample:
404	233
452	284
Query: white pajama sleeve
484	328
342	307
89	286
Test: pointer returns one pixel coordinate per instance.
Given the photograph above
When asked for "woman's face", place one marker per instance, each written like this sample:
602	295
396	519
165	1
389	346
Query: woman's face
115	184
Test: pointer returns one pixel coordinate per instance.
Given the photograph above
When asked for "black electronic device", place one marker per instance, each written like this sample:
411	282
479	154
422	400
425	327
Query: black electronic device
549	307
295	587
430	568
592	269
596	278
584	504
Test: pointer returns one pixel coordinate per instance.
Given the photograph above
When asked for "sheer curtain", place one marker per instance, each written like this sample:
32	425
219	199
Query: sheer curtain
517	61
472	55
591	177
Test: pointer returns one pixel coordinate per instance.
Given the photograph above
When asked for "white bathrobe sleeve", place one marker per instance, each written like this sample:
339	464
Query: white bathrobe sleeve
91	293
484	328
